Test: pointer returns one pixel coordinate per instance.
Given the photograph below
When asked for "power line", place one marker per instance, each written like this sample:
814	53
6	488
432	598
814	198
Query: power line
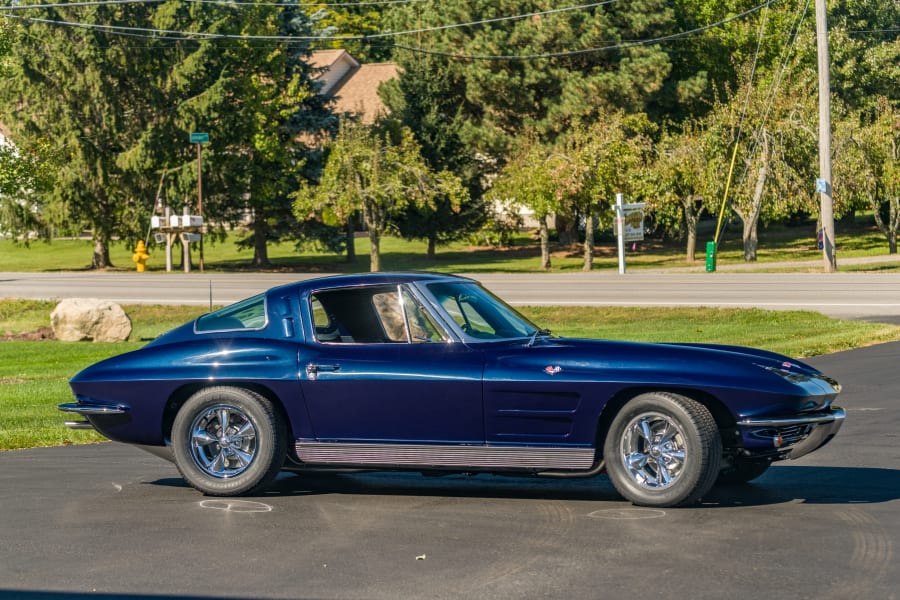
20	7
571	53
186	34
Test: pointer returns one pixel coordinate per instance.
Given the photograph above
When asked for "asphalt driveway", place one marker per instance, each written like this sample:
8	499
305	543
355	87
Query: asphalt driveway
111	521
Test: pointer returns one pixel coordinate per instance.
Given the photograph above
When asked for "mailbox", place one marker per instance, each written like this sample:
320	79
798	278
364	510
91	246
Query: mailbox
191	221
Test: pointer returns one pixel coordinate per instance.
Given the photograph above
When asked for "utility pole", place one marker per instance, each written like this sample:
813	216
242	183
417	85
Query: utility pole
823	183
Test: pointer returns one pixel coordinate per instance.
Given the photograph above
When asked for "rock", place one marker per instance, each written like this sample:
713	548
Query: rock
76	319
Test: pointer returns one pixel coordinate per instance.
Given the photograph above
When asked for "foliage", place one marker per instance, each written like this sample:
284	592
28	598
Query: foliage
426	100
503	97
350	19
527	180
868	168
684	182
126	116
378	172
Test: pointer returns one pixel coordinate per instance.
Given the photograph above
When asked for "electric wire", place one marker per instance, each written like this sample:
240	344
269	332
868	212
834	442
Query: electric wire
82	3
611	47
365	37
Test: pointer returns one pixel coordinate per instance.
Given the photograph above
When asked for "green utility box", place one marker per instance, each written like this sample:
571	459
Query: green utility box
710	257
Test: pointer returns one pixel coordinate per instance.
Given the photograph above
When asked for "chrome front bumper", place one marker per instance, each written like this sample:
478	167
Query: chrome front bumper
791	437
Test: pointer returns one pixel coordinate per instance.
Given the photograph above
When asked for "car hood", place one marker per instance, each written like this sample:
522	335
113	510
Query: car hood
748	379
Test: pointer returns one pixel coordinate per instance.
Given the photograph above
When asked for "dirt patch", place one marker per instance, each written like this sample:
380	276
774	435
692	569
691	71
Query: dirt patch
39	334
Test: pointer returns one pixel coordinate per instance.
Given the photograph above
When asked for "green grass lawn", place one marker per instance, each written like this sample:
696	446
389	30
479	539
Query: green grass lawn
777	243
34	374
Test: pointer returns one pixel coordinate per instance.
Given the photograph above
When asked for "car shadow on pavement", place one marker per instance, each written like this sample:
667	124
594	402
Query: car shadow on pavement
781	484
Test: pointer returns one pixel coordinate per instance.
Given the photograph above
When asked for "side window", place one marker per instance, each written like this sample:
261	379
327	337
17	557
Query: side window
246	314
372	315
390	315
421	326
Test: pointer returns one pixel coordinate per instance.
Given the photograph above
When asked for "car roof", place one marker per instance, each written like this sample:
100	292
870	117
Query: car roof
385	278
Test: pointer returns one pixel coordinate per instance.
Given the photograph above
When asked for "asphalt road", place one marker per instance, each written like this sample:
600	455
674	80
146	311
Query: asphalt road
861	295
111	521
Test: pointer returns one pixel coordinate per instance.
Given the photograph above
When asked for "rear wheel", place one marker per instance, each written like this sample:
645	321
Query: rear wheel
663	449
228	441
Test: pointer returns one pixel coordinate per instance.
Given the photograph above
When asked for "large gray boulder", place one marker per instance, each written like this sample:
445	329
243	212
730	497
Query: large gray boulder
77	319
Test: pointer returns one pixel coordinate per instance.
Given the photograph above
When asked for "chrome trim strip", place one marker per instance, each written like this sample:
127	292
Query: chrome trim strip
835	415
421	455
84	408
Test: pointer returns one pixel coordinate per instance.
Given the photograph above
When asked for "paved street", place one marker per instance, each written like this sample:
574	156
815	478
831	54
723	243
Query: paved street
873	296
109	520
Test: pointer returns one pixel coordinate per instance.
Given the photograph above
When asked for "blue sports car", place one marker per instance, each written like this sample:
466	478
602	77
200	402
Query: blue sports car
431	372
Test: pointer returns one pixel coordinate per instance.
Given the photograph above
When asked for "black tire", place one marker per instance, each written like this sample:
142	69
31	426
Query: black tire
242	459
742	470
677	464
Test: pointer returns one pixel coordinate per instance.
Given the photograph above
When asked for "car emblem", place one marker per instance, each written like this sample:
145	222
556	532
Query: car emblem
552	370
786	365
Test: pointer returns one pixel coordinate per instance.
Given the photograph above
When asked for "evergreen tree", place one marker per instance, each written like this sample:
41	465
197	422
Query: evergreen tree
118	110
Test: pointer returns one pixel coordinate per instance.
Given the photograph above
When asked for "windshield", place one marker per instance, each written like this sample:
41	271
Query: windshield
479	313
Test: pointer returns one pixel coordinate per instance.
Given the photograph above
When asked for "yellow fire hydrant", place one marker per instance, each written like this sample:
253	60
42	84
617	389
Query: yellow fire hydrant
140	256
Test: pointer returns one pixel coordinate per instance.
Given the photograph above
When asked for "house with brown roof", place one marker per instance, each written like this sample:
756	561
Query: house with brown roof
352	85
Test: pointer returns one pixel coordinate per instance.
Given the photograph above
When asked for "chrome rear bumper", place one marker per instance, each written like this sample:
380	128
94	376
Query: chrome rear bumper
88	409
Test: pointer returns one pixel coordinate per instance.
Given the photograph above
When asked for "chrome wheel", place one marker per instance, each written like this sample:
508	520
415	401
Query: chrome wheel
662	449
223	441
229	441
653	450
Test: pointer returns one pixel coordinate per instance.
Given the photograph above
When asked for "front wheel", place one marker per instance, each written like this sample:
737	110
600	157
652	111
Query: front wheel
228	441
662	450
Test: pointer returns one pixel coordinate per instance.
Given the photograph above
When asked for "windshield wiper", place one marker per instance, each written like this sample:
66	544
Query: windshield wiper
535	335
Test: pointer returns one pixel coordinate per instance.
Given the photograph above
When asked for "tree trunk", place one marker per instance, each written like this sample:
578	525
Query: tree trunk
545	244
351	240
432	246
260	248
374	250
750	219
566	230
889	228
691	218
751	240
588	242
100	259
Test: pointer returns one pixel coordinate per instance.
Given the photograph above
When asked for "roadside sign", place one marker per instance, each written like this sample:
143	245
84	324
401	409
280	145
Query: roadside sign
199	138
633	230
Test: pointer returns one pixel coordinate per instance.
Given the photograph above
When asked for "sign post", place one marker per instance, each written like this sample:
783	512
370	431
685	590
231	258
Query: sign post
200	139
629	225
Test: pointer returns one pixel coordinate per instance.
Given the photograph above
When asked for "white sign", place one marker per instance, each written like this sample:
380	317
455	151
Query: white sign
632	220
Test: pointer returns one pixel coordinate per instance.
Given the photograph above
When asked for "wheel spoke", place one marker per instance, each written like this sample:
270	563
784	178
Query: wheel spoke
223	415
663	477
201	437
246	431
636	461
646	432
243	458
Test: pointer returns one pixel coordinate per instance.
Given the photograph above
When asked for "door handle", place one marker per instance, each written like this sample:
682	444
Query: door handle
313	370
